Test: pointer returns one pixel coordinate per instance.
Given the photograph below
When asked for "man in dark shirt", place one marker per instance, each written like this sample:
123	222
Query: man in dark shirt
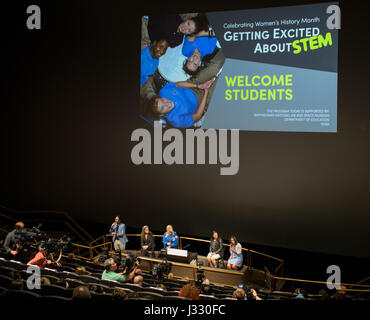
10	243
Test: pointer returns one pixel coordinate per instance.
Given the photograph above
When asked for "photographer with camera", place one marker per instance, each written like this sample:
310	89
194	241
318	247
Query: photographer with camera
110	272
11	244
40	259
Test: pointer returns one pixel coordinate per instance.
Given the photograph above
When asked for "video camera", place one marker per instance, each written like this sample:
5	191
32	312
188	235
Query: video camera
161	270
127	262
24	236
63	244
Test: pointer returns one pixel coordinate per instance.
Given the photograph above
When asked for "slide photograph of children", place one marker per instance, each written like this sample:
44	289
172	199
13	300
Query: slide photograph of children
181	60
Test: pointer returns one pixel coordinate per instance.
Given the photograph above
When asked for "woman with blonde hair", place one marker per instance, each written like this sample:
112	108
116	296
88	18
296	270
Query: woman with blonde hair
170	238
147	242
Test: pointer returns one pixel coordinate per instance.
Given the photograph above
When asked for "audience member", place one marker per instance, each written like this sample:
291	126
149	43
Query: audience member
44	281
138	281
161	286
81	293
81	271
97	289
239	294
324	295
62	283
189	291
40	259
254	295
301	294
16	285
119	294
341	294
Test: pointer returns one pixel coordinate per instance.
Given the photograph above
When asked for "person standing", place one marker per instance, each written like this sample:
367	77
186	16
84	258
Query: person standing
147	242
170	238
10	243
118	231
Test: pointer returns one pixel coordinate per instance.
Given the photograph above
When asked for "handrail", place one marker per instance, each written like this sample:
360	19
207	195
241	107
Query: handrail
185	265
47	212
363	280
319	282
248	251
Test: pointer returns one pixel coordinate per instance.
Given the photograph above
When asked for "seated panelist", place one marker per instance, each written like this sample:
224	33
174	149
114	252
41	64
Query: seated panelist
147	241
170	238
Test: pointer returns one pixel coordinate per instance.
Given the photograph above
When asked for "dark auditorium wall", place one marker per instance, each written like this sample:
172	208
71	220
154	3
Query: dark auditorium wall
69	99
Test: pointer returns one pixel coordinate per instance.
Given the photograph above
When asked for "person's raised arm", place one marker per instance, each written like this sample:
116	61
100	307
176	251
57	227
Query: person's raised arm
186	84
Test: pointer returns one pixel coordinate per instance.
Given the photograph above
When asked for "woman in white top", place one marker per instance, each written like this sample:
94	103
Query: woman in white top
236	256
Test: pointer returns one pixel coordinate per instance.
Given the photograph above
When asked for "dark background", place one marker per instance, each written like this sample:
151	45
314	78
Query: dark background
69	103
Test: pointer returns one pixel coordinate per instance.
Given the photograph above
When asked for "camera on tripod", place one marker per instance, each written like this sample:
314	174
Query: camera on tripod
161	270
24	236
55	246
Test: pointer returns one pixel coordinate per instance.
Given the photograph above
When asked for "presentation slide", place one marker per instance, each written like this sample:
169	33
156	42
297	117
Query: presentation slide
272	69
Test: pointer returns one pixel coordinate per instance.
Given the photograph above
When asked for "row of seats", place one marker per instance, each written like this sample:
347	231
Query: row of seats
147	291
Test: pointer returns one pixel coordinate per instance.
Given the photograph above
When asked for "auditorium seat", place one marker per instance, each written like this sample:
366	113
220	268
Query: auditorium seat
150	281
73	283
54	299
69	269
55	290
53	279
171	293
70	275
6	270
110	283
174	298
16	265
49	272
88	279
22	295
100	297
131	286
5	281
96	275
154	290
105	288
147	295
207	297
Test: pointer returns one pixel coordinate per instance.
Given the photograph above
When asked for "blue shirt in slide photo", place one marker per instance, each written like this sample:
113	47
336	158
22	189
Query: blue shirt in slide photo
186	104
148	65
205	45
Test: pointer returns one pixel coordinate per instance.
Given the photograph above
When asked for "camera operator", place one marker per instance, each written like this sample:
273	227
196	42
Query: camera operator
40	259
10	243
110	272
